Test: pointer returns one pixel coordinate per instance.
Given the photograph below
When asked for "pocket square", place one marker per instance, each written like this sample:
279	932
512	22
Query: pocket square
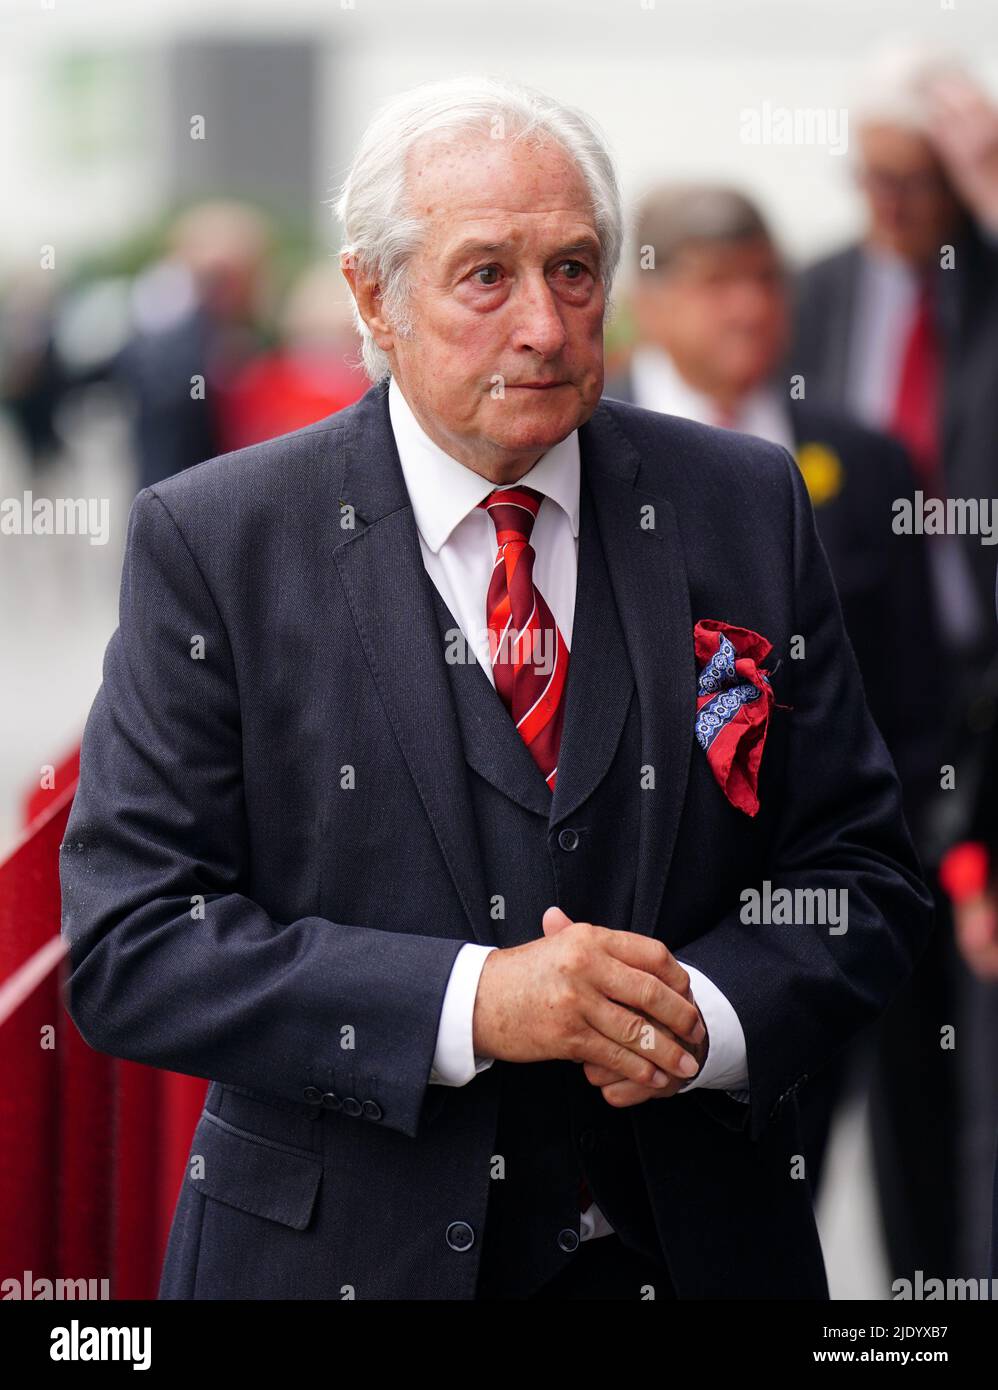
734	699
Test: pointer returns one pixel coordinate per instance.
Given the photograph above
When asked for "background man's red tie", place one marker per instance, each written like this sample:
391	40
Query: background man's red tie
915	418
529	655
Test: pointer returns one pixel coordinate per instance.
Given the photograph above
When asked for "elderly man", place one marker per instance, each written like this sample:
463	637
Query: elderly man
481	791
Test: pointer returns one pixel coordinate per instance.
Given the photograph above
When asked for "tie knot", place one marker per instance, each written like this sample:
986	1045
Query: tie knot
513	511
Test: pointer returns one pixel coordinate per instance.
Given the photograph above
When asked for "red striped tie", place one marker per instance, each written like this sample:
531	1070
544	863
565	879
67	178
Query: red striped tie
529	655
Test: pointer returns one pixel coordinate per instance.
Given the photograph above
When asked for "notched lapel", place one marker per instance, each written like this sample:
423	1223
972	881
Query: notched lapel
381	569
647	571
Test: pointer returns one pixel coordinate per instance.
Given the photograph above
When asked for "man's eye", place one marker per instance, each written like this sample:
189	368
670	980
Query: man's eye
576	267
487	270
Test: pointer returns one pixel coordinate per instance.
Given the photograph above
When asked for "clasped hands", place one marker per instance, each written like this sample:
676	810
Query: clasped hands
618	1002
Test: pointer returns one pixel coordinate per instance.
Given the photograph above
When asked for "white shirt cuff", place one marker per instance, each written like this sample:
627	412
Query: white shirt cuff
726	1067
454	1061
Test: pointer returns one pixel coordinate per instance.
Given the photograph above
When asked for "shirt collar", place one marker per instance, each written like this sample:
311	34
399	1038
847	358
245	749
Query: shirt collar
659	386
443	491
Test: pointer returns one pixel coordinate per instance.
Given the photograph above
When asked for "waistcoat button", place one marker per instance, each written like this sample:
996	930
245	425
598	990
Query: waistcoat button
460	1236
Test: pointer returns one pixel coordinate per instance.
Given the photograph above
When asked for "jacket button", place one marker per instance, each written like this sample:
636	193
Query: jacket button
460	1236
568	839
587	1141
351	1106
372	1109
330	1101
568	1240
313	1095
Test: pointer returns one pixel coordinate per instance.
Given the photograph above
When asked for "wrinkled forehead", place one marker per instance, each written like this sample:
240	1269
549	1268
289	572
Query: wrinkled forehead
474	176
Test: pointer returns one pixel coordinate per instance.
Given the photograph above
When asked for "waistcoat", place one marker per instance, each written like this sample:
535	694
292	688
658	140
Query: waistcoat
554	1126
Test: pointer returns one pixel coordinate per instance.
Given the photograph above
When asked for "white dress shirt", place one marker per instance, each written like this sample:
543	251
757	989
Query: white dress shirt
458	543
657	385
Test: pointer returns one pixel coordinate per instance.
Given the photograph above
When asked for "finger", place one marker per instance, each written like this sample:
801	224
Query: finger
621	1094
600	1076
641	1036
646	993
602	1051
649	954
554	921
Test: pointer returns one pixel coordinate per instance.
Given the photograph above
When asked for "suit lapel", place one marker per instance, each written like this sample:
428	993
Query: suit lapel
381	569
600	679
649	582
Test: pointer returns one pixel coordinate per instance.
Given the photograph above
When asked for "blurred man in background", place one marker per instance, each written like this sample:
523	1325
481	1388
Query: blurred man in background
174	342
311	372
712	310
901	328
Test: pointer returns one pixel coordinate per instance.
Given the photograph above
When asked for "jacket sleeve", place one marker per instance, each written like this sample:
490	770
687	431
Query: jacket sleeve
171	963
800	990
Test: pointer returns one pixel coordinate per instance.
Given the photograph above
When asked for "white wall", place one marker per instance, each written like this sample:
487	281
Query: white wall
665	80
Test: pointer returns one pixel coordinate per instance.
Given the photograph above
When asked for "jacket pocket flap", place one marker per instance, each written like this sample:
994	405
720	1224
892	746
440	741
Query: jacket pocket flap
252	1173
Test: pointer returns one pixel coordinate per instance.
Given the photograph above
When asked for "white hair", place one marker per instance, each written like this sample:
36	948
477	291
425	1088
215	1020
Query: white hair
895	85
380	234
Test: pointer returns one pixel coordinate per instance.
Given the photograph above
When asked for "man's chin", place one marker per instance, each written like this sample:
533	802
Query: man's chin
538	426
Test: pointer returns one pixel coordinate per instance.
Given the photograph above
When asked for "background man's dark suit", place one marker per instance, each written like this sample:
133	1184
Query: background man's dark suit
349	804
968	327
940	1237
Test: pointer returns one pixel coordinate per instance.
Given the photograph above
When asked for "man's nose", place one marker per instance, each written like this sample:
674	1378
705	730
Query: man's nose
539	322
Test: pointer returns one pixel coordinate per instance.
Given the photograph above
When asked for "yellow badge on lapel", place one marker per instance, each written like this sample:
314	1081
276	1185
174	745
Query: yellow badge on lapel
822	470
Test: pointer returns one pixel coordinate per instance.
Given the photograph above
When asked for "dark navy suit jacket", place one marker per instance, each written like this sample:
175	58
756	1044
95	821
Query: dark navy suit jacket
272	862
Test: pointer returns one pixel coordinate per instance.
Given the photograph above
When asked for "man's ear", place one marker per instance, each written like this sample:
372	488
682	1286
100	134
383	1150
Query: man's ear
367	293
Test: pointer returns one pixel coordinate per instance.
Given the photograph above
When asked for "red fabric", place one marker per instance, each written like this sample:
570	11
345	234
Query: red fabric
735	749
915	418
64	776
963	871
92	1149
280	392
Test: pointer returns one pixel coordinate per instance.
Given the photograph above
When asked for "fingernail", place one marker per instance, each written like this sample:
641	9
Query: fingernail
660	1079
688	1065
699	1032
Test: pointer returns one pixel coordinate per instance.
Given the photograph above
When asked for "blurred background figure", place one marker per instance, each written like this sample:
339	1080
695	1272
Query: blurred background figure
171	341
313	371
197	319
33	379
712	309
901	328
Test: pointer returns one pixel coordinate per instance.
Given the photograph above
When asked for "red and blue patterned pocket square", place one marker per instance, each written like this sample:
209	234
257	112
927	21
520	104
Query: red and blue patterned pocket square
734	699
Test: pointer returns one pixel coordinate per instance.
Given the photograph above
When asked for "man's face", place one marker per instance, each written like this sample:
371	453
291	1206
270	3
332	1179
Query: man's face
911	205
506	300
720	311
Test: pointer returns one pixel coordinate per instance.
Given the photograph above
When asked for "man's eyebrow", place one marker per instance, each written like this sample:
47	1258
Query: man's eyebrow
473	247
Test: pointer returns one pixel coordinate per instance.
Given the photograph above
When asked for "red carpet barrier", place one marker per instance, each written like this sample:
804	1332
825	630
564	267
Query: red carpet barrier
92	1149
